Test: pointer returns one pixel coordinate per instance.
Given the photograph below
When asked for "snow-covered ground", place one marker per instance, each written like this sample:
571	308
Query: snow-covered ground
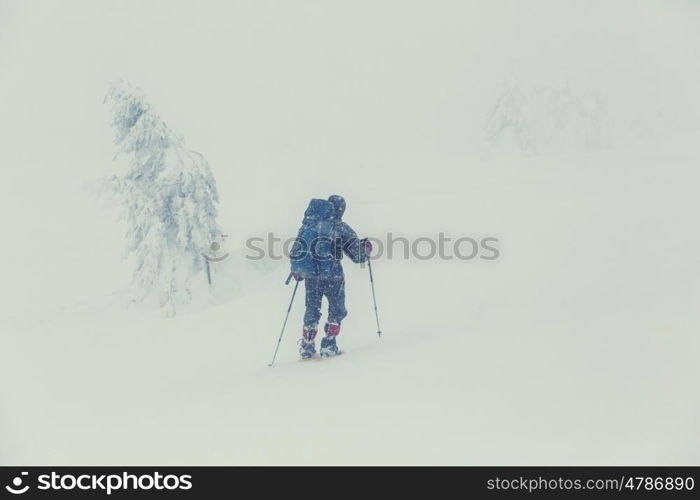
578	345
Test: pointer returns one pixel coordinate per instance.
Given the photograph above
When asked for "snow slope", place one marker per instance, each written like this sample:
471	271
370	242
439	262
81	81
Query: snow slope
577	346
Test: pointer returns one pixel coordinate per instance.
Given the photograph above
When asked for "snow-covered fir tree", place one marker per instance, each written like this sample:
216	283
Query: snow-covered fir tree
170	202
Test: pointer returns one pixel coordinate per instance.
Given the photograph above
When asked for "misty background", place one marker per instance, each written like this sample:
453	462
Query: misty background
567	129
270	86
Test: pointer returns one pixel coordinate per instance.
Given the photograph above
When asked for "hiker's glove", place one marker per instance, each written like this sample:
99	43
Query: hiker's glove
297	276
367	245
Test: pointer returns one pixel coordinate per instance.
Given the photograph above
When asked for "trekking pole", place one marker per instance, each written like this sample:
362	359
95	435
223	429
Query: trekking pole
374	297
285	318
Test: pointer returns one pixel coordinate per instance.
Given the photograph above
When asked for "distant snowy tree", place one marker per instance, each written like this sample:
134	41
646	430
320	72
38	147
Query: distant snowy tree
507	122
546	118
169	196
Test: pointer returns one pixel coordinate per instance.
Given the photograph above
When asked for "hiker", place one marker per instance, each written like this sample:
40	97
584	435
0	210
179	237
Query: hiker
316	258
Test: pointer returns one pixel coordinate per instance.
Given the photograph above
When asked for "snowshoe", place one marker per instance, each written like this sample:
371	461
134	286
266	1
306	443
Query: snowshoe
328	347
307	349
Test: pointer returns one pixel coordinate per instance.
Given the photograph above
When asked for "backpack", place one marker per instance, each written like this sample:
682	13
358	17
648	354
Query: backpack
313	250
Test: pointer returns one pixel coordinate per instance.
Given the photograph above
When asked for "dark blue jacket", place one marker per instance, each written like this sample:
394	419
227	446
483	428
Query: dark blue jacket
346	242
345	239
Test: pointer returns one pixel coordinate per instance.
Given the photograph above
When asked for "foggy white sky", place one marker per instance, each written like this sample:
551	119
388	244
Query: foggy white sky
244	81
